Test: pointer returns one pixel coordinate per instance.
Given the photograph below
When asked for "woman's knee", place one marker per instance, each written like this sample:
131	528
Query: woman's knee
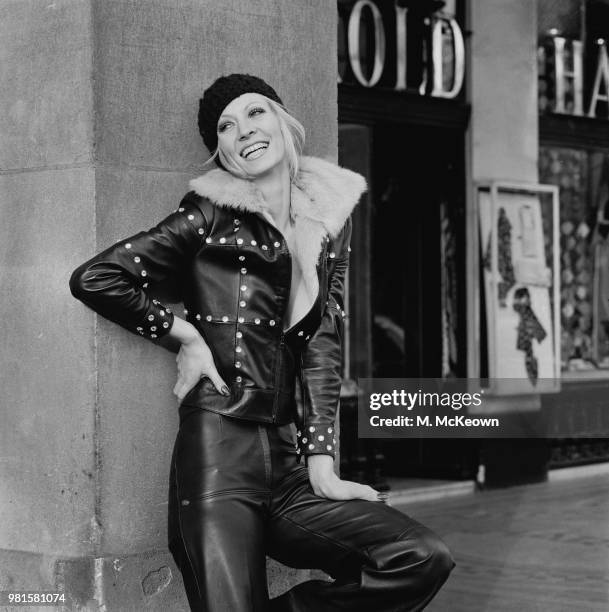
416	551
433	554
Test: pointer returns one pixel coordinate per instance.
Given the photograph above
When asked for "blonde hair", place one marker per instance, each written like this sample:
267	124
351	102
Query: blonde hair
293	134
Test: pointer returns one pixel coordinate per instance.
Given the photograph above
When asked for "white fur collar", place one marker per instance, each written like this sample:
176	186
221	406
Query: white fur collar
323	196
322	192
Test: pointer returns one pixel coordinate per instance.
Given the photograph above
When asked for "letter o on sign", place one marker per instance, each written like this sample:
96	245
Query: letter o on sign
353	42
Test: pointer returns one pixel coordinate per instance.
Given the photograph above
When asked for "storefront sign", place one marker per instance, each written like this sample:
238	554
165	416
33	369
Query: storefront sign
442	49
566	80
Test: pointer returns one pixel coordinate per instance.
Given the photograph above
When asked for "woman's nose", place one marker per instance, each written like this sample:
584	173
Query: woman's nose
245	131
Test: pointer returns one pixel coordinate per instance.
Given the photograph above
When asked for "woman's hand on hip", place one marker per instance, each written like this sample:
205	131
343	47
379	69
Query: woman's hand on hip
194	360
326	483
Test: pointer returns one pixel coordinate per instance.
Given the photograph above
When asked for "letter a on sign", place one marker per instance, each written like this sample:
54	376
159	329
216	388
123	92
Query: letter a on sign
602	78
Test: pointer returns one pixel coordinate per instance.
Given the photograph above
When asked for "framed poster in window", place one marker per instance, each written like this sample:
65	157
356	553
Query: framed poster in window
519	256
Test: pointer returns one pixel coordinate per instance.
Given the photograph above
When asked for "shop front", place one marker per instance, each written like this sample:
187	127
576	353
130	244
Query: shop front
411	121
574	155
402	123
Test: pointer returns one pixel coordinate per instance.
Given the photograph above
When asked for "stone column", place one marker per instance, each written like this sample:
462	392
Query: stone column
503	145
503	90
502	140
99	141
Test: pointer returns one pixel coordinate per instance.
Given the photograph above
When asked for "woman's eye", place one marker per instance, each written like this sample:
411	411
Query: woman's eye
256	111
223	126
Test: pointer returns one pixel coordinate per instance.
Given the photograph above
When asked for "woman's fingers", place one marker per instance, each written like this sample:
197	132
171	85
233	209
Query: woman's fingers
357	490
195	361
186	382
338	489
371	495
216	379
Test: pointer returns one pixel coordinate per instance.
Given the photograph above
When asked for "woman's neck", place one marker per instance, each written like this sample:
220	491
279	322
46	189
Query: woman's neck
275	189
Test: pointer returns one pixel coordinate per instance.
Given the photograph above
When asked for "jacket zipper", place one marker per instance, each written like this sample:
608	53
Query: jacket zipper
301	382
278	375
279	364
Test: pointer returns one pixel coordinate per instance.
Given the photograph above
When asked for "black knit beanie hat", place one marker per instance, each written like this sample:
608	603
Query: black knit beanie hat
221	93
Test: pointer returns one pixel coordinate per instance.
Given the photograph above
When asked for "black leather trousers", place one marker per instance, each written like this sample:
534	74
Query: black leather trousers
238	493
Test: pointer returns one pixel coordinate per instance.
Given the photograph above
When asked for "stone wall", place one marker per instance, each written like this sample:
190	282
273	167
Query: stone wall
99	141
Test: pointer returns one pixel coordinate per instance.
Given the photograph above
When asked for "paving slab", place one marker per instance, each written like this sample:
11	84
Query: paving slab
531	548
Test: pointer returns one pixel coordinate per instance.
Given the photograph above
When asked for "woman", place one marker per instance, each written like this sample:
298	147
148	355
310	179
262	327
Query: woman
258	252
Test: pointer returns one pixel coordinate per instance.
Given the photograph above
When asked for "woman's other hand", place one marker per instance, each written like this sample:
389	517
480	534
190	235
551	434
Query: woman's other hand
326	483
194	360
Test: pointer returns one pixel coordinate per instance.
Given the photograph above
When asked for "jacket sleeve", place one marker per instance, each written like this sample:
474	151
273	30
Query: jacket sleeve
322	359
119	283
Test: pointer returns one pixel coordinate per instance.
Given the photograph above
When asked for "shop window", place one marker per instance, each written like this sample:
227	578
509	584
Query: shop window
583	178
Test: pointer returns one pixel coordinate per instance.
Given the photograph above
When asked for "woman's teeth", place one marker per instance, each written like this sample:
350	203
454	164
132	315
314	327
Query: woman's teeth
255	151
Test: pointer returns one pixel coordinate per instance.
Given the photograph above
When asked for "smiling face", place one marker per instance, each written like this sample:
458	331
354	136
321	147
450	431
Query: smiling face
250	137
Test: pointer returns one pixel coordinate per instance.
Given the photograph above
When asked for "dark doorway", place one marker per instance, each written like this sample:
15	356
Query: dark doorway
418	279
417	252
407	314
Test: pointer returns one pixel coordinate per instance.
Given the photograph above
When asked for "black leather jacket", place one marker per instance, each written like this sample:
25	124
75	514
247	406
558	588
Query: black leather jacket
231	268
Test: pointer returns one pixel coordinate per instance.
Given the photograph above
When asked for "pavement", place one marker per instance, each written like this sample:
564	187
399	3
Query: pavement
530	548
